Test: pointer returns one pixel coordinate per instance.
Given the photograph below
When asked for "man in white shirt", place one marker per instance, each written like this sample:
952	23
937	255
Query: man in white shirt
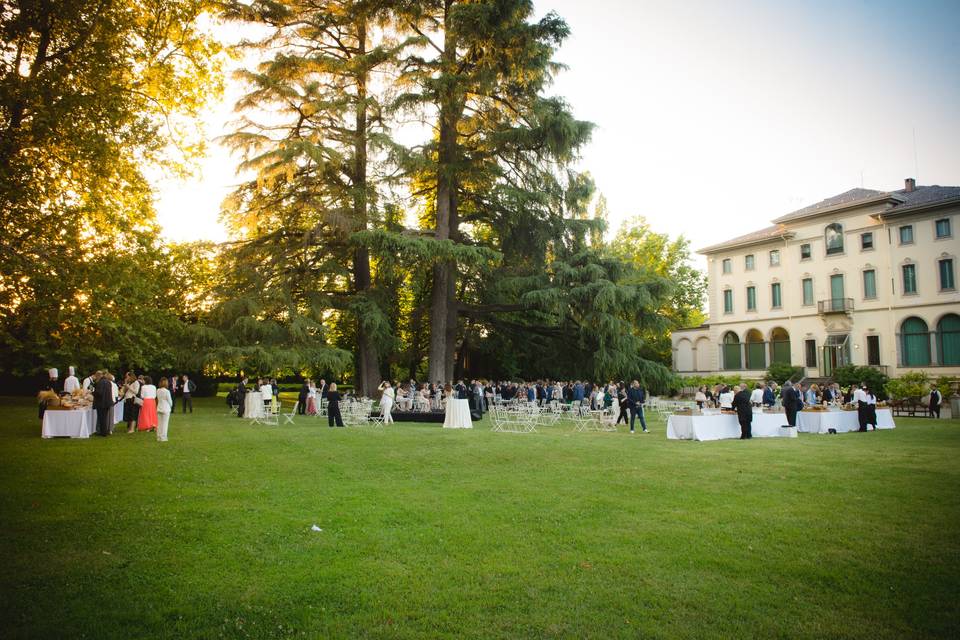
71	384
756	397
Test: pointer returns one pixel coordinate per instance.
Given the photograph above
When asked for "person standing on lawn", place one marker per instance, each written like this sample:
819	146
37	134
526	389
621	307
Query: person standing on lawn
164	408
935	399
744	407
103	403
188	388
333	406
790	401
637	397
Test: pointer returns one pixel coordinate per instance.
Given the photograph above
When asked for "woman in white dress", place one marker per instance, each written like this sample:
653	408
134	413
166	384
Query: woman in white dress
164	408
386	401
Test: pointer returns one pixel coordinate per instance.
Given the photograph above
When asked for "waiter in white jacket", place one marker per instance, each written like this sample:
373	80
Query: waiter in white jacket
863	408
71	384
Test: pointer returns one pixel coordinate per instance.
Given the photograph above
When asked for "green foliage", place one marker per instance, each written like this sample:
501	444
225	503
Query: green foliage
710	381
90	95
853	375
913	385
780	372
946	385
656	255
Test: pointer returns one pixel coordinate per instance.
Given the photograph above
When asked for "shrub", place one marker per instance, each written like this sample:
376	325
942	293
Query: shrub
945	384
852	374
909	385
780	372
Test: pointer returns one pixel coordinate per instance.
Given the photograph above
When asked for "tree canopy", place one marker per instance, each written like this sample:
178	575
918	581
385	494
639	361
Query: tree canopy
474	247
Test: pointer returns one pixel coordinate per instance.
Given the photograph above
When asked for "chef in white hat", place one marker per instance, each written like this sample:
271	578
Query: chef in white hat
54	382
71	384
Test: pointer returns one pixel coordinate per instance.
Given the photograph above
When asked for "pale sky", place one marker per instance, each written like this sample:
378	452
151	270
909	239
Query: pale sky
715	117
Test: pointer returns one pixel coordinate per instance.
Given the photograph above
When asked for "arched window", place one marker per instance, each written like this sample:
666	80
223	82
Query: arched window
780	346
833	238
731	351
756	358
915	343
948	339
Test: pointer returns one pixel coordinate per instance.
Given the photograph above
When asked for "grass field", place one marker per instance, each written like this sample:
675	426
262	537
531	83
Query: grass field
473	534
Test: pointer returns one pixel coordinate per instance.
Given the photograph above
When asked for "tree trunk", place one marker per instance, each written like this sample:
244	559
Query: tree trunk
443	294
368	365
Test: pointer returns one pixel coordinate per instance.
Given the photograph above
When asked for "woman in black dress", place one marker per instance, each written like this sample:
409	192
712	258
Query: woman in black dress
333	406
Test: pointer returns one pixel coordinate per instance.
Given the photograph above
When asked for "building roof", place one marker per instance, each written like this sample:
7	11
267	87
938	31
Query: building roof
923	196
901	201
769	233
853	197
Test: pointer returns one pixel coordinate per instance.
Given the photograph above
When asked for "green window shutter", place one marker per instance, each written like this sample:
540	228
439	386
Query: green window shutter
915	342
909	278
775	295
946	275
948	340
807	291
870	284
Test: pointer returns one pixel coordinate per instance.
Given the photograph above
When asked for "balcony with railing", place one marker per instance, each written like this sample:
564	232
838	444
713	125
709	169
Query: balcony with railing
835	305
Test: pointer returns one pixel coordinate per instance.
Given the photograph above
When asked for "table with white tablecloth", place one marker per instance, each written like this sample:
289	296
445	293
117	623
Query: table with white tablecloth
726	426
457	415
840	421
253	405
69	423
118	413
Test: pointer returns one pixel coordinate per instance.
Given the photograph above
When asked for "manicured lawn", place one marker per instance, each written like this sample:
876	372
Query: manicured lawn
433	533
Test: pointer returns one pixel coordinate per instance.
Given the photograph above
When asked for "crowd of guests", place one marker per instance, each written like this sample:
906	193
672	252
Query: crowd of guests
146	406
790	397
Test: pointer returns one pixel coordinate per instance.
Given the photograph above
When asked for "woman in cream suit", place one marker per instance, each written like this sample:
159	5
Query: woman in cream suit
386	401
164	408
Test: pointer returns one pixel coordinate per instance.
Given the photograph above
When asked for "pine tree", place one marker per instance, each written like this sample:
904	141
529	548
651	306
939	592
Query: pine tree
482	76
315	135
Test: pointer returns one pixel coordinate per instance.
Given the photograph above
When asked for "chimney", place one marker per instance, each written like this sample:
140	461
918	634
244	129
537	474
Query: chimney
909	185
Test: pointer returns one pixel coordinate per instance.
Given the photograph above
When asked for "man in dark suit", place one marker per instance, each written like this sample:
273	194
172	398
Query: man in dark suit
241	396
741	402
103	403
791	402
636	398
302	397
188	388
768	398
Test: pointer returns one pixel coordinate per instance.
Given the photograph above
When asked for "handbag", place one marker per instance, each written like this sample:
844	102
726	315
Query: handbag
137	399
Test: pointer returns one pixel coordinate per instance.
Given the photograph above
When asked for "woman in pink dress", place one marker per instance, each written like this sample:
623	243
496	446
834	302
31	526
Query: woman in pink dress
148	419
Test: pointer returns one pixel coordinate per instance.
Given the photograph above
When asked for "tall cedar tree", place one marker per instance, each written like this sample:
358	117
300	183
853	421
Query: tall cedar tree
312	133
483	70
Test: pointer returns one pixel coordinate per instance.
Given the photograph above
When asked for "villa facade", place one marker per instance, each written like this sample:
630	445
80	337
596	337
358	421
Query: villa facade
865	277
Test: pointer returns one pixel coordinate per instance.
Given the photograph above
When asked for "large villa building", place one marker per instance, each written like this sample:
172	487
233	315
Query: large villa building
865	277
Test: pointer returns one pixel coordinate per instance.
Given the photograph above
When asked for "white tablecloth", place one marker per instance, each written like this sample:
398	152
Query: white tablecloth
78	423
458	415
117	414
726	426
253	405
842	421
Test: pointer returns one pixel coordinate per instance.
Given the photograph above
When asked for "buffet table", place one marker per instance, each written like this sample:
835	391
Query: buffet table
457	415
69	423
253	405
726	426
840	421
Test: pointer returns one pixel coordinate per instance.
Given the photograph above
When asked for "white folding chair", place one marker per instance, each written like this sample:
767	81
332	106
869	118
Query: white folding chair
288	417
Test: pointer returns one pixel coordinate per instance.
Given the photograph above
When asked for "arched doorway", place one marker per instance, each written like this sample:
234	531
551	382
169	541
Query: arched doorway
914	343
779	346
703	354
948	340
684	355
731	351
756	356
